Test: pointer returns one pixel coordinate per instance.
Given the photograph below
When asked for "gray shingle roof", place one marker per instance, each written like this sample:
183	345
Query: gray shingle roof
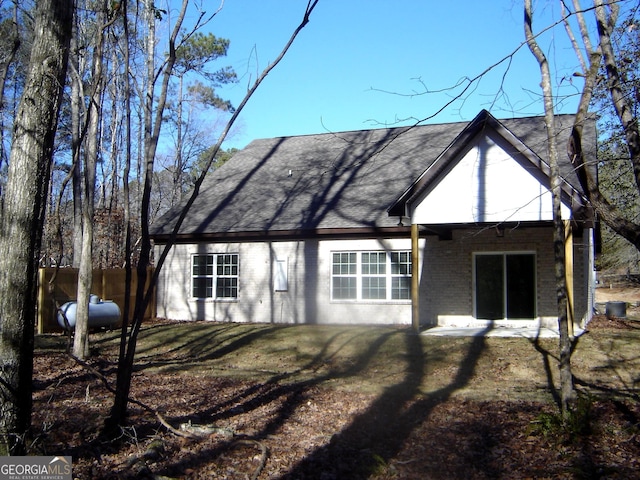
331	180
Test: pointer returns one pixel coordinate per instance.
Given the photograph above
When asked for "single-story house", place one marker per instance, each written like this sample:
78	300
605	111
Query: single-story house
447	224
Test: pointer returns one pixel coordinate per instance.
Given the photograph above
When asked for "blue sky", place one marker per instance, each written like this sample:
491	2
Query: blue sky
365	64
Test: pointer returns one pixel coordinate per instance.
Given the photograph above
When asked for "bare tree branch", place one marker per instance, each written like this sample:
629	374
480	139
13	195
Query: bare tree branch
572	38
145	290
567	390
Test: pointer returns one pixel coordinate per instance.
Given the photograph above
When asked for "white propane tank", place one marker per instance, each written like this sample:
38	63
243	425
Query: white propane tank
102	313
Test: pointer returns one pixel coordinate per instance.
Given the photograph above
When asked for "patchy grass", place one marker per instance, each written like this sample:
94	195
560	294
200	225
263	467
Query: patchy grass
324	402
372	359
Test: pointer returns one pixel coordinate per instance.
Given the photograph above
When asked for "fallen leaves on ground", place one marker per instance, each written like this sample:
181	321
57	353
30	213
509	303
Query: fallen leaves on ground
311	431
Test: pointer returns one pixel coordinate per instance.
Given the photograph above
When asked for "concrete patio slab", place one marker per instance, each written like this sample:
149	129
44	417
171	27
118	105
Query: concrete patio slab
495	331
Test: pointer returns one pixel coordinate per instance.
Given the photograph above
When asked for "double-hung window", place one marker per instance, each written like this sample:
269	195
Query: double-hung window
371	275
400	275
374	275
345	276
214	276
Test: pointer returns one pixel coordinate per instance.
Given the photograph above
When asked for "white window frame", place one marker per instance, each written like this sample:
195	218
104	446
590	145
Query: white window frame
399	275
384	274
216	276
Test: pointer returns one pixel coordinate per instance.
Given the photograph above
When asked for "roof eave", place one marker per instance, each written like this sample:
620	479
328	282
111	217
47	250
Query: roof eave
283	235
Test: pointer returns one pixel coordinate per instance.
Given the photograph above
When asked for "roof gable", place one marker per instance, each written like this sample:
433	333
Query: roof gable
337	181
486	183
487	174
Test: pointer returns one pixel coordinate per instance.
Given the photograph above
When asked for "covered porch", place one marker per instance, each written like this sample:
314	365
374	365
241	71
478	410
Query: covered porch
445	291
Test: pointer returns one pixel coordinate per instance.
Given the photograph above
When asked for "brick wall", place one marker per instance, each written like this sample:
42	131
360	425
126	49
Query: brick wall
447	286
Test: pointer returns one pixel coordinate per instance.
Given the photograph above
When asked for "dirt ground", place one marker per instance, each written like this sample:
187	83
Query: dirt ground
628	294
275	429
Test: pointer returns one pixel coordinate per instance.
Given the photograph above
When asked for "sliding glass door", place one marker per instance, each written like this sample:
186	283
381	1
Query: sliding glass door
505	286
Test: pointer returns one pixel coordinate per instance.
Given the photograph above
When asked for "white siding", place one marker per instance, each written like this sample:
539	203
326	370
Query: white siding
306	300
485	185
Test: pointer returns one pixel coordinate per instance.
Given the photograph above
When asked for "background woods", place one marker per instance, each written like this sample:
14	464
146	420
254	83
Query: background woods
95	109
129	107
66	159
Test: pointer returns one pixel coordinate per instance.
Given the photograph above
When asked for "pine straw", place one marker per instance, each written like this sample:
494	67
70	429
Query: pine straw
304	430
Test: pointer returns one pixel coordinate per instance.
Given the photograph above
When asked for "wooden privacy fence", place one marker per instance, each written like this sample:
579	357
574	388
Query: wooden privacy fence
108	284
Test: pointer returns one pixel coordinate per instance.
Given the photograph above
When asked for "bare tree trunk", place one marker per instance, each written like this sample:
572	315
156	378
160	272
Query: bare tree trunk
614	83
144	292
178	173
5	70
608	212
76	66
125	186
152	124
116	120
567	390
85	272
23	216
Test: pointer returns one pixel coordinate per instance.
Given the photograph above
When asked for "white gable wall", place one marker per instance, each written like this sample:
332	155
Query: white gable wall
485	185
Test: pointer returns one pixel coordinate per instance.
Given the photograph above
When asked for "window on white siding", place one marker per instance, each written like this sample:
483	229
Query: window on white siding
375	275
344	276
214	274
400	275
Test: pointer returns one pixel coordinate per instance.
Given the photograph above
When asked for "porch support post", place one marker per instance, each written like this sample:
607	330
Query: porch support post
568	273
415	278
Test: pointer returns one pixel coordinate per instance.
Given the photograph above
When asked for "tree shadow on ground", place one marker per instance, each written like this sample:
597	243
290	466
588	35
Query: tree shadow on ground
373	438
617	364
547	357
376	436
205	346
